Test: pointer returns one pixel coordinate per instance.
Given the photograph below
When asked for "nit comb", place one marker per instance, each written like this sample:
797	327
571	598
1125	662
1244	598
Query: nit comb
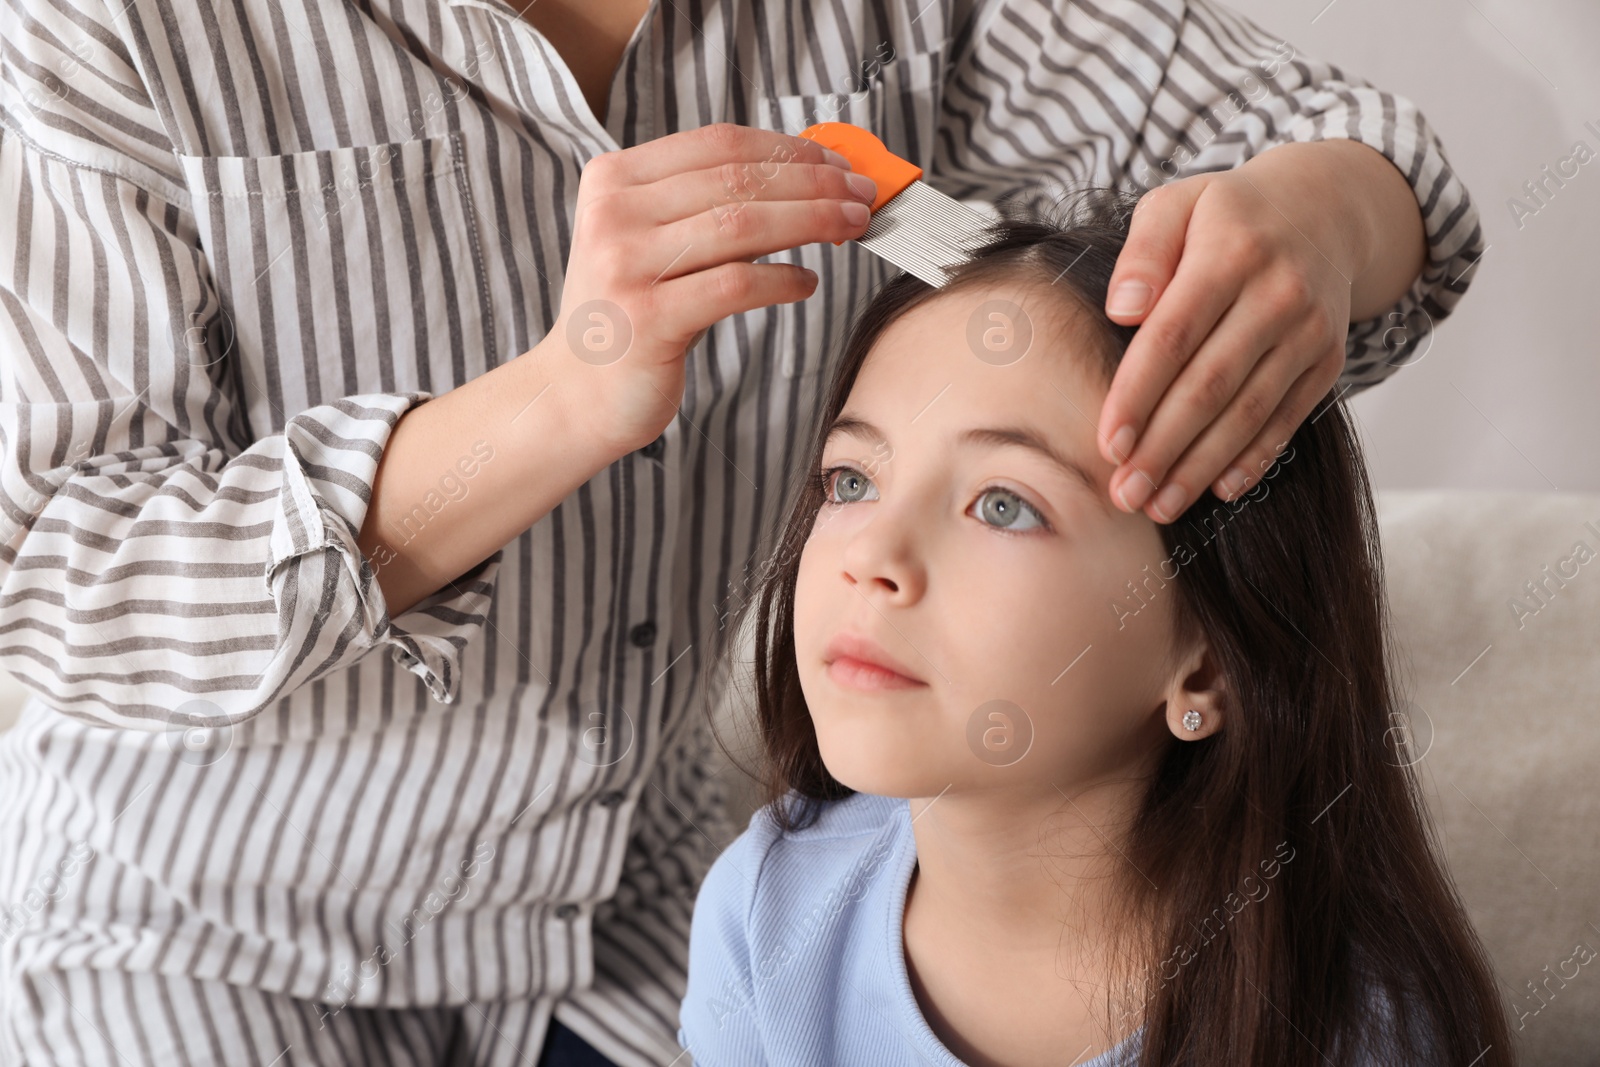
913	225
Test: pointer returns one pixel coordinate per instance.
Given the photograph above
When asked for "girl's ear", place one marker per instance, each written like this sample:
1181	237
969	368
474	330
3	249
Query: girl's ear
1197	700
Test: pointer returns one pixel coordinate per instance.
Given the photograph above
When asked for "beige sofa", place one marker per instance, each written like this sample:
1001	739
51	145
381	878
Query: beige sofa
1513	699
1506	713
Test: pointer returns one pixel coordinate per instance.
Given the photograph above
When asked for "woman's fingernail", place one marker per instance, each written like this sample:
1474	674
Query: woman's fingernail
1233	481
1133	491
862	186
1129	298
835	158
1169	502
1122	444
856	214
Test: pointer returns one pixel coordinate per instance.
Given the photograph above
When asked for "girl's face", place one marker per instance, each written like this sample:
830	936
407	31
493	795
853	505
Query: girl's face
995	578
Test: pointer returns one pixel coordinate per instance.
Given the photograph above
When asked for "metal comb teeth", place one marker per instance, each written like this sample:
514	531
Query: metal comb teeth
922	231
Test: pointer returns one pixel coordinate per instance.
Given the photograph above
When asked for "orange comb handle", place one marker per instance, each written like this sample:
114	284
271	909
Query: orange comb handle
867	155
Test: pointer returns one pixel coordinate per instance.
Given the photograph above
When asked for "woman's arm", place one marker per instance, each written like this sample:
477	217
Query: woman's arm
509	431
160	568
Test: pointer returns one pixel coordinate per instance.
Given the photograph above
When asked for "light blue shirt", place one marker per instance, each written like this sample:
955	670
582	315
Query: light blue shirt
795	950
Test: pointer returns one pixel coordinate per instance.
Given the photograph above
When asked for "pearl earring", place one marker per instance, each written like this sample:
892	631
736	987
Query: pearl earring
1191	719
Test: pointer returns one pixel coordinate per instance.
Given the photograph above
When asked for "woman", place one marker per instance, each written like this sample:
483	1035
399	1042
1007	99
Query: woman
313	337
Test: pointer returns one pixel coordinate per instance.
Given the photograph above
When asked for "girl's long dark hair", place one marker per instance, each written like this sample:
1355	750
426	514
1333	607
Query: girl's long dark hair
1288	866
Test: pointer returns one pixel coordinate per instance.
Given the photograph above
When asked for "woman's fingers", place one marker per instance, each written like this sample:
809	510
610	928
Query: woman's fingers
689	300
1267	392
1167	392
801	205
1211	383
729	188
1147	264
709	146
1256	458
706	217
1150	255
762	227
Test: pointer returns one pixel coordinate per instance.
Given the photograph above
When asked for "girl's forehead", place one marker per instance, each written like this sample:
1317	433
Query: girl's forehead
985	350
997	325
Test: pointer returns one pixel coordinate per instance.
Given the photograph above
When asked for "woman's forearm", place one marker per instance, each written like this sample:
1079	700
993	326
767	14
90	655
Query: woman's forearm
1397	245
1363	211
467	471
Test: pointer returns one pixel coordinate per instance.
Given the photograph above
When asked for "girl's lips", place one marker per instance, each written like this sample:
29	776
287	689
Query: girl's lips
856	674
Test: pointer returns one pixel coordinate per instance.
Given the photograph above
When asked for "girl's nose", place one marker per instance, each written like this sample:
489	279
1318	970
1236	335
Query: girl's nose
884	558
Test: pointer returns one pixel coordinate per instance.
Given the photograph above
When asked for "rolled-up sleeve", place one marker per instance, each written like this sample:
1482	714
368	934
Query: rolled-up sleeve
159	567
1053	94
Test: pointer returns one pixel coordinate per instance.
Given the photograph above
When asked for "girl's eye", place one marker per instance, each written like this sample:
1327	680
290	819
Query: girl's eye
999	507
850	481
1007	510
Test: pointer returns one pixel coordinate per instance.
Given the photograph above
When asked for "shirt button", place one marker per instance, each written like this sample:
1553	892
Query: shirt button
612	798
566	911
643	635
654	449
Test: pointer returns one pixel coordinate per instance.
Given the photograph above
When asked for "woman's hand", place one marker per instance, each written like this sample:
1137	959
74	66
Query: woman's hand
1253	277
662	248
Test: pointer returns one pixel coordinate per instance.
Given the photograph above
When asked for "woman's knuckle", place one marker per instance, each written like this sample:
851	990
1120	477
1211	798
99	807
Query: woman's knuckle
604	169
734	282
742	181
825	180
1172	343
1291	291
1312	335
725	137
1254	409
827	215
734	221
1244	247
605	213
612	270
1213	389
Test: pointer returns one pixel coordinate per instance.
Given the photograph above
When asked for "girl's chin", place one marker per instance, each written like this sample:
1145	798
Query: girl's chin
882	764
881	785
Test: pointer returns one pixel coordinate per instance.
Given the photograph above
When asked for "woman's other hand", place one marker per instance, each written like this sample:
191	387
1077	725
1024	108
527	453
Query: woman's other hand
662	248
1253	276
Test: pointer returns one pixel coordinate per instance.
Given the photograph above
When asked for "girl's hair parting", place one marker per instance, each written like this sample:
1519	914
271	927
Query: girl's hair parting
1282	871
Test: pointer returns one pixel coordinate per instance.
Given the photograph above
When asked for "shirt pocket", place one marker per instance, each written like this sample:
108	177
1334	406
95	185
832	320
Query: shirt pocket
343	271
899	103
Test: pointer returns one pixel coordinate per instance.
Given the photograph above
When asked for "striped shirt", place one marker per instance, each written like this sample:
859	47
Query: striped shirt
248	238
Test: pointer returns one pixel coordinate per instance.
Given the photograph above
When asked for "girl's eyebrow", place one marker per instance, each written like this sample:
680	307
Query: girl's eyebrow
1025	437
1014	436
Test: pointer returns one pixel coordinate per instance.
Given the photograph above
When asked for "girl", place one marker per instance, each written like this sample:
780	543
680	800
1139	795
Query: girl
1048	782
